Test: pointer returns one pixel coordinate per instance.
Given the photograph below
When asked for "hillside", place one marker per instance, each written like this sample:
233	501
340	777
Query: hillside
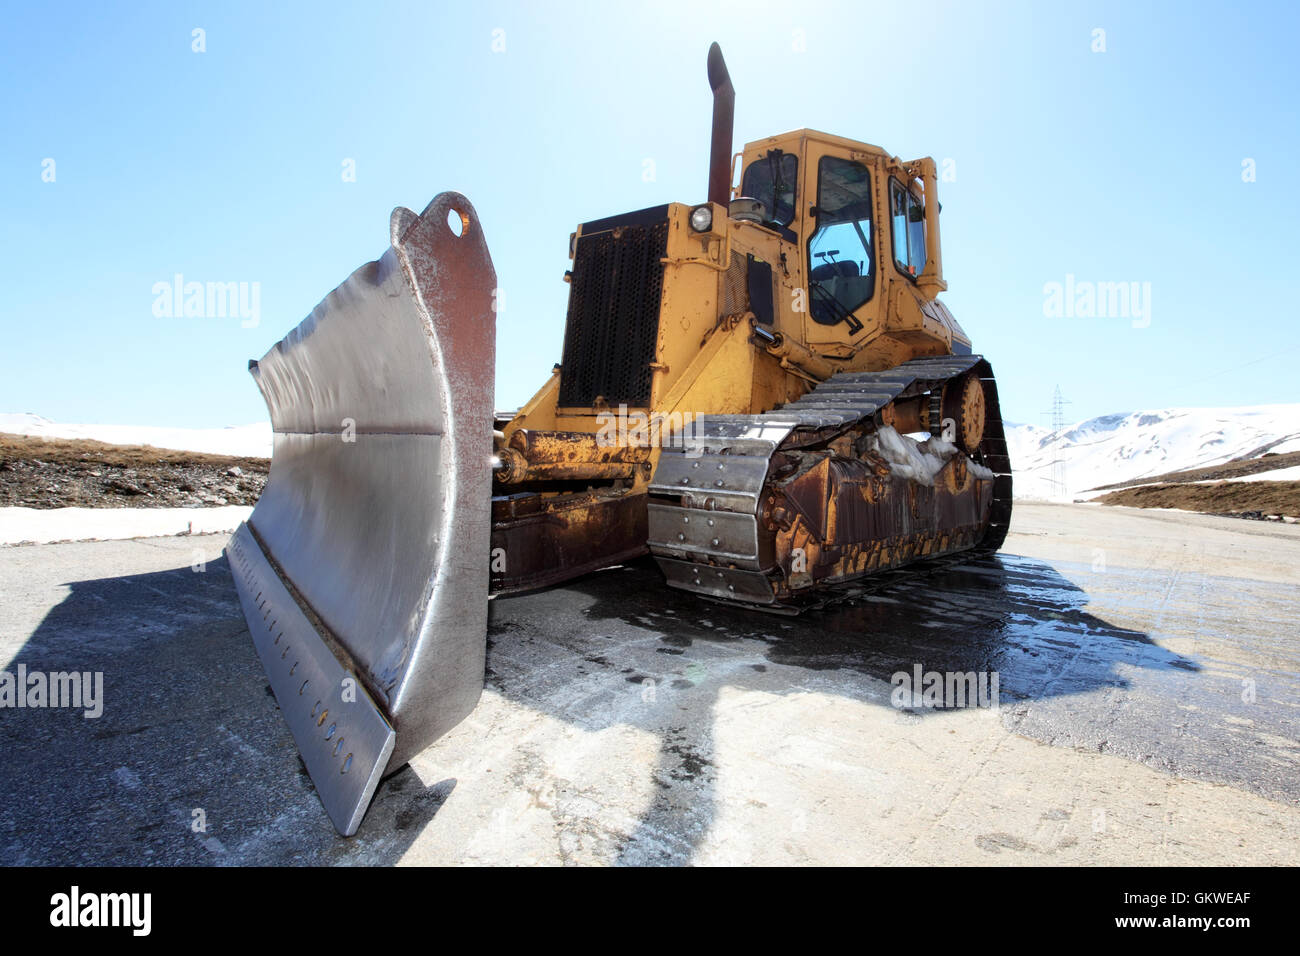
1136	446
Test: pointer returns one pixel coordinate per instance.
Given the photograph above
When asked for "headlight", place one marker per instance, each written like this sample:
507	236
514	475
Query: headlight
702	218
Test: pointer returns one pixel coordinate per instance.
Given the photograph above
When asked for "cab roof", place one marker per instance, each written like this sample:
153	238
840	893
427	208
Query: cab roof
817	135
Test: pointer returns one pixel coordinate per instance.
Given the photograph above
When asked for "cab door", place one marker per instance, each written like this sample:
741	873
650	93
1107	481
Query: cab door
842	259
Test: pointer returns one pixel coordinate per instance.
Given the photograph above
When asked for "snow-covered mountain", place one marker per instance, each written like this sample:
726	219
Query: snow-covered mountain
1123	447
253	441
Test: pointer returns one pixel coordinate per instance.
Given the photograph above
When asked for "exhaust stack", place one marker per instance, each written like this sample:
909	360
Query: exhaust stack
724	106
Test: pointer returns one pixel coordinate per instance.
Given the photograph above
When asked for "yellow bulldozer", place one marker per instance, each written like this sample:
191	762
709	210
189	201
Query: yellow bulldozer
763	391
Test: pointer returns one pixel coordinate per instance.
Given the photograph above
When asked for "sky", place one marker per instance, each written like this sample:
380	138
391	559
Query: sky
1160	151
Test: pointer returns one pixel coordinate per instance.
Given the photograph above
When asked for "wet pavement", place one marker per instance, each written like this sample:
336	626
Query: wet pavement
1147	672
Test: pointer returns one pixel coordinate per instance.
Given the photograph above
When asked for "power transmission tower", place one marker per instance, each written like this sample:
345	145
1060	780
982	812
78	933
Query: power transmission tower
1056	477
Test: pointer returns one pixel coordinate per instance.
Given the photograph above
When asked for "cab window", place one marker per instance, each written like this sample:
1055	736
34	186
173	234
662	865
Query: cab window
771	180
908	216
841	277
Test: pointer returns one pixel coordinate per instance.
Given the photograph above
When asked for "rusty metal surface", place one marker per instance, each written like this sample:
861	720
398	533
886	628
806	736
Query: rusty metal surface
842	518
828	505
964	403
533	455
724	107
993	453
376	511
540	540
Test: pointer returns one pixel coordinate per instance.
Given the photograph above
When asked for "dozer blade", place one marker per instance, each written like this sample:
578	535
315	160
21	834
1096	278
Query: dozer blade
363	570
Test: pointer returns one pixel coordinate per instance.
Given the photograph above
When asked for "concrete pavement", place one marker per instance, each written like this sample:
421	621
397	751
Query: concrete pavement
1147	666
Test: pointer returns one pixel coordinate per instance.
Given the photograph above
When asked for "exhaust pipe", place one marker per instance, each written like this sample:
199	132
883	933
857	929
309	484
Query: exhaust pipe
724	107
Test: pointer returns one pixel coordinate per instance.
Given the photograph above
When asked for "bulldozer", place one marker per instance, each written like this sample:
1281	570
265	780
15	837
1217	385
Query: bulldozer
761	391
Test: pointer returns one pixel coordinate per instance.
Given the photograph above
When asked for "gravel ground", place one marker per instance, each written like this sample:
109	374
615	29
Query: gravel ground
1261	500
62	473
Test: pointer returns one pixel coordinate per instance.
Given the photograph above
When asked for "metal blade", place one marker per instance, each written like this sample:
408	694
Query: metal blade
377	512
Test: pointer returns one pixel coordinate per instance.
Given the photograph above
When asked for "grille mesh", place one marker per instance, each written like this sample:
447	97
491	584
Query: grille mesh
613	320
735	286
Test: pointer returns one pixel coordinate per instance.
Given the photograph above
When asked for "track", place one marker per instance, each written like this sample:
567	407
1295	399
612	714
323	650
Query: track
706	527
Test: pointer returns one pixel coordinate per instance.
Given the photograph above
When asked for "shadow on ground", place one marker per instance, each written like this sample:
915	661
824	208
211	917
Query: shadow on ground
190	735
1013	616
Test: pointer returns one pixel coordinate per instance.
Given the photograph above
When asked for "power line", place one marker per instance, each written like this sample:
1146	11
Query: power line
1238	368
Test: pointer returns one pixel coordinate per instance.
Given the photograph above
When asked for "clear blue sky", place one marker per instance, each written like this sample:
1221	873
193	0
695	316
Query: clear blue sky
226	166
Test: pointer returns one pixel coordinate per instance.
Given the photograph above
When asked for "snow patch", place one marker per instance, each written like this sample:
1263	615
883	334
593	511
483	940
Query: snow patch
248	441
46	525
1277	474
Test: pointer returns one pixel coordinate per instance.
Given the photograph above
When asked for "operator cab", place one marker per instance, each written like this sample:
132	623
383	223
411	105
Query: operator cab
829	196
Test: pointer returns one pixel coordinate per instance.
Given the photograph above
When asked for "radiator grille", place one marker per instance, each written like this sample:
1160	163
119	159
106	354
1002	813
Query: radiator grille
613	320
735	286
